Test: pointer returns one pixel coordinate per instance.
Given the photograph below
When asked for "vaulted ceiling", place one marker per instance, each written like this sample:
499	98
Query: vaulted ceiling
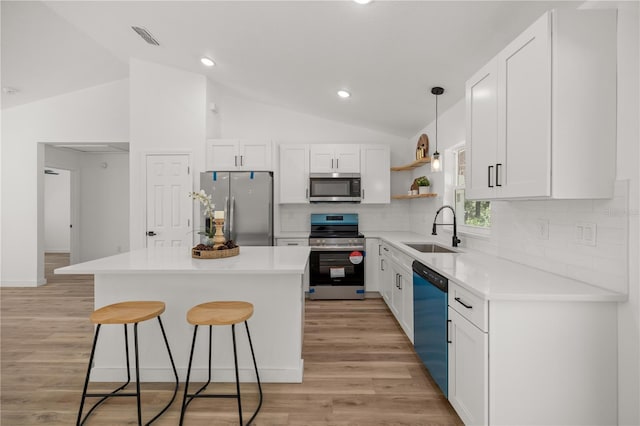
292	54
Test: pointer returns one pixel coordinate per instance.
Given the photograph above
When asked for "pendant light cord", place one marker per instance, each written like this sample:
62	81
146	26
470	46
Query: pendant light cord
437	91
436	123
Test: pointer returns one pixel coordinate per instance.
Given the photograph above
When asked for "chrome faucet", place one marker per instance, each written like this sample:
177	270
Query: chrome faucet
455	239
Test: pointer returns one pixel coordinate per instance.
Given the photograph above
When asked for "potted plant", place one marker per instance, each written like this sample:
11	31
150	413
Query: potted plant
208	212
423	185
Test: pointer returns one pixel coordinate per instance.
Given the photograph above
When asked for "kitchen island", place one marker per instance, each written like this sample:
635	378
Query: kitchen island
272	278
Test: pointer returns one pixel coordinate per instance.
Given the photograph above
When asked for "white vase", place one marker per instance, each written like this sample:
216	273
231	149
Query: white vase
423	190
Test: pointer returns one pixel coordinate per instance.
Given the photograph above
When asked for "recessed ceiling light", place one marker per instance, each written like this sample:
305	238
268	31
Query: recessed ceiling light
207	62
362	1
343	94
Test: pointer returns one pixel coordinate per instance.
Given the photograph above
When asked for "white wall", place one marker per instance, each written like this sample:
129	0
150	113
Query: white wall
98	114
613	263
104	205
168	115
57	211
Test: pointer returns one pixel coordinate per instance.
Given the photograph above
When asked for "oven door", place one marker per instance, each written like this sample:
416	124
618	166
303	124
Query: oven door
340	267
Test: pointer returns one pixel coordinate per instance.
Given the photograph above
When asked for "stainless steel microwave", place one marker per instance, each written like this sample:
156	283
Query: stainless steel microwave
334	187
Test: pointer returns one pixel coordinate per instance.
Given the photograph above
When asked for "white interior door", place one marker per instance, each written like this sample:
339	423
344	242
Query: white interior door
169	207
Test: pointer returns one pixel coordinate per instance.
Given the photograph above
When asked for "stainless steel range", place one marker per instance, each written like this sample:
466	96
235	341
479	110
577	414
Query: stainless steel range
337	258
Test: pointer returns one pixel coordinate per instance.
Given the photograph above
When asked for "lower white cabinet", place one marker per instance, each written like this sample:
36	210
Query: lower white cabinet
468	370
536	362
398	293
292	241
386	274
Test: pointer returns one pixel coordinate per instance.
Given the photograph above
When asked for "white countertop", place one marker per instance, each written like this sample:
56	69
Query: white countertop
173	260
494	278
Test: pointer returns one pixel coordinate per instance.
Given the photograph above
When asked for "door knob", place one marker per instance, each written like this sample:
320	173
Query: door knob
151	234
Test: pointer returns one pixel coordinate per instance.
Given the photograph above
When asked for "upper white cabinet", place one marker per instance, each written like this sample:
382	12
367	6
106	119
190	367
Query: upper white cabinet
482	132
335	158
541	115
294	174
297	161
375	182
238	155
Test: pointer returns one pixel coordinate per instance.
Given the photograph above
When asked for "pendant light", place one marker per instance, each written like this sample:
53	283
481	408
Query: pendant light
436	163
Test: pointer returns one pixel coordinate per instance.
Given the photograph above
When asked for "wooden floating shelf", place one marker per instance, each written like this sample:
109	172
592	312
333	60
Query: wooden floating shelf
410	166
407	197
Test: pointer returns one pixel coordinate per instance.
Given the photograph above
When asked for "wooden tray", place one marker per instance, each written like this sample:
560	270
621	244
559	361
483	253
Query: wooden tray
214	254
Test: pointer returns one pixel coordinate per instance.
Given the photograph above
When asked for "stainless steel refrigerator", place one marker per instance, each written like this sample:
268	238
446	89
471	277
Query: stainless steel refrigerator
247	201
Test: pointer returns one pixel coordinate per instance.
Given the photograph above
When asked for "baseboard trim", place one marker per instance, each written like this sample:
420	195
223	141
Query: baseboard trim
222	375
23	283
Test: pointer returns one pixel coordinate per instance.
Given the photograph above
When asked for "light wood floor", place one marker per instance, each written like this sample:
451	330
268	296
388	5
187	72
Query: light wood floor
360	369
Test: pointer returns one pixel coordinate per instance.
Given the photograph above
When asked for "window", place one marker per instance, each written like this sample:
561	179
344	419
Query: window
471	213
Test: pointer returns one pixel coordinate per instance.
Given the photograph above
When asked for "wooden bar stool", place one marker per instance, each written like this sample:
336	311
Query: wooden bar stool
220	313
126	313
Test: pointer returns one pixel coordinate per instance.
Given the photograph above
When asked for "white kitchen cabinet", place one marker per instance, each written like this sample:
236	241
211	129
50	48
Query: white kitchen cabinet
373	250
375	174
403	300
541	116
468	369
292	241
334	158
482	132
238	155
542	362
400	289
396	290
294	174
386	274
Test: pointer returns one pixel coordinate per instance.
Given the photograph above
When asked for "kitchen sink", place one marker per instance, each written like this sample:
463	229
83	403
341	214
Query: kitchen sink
430	248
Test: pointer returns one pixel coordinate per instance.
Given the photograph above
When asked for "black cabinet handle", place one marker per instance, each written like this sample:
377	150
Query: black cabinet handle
151	234
462	303
498	174
448	322
489	176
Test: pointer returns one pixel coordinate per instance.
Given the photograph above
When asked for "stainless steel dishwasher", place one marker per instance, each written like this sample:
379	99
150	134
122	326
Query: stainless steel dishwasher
430	322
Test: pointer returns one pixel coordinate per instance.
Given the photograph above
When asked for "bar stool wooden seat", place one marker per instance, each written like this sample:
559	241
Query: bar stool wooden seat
132	312
217	314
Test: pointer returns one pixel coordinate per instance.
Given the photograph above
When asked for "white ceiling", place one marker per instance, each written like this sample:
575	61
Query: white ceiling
293	54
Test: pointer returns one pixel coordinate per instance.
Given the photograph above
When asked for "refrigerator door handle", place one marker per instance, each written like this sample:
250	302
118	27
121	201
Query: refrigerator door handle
225	226
231	218
270	215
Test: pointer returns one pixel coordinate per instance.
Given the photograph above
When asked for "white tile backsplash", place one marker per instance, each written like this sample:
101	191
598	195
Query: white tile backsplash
514	237
372	217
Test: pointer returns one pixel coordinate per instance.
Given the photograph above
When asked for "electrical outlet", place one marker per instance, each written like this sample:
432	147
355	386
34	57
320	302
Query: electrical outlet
542	227
585	233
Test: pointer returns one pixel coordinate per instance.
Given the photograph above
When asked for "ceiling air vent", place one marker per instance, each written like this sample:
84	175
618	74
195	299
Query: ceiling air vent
146	36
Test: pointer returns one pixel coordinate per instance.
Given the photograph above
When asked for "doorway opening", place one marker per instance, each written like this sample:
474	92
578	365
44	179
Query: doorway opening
97	222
